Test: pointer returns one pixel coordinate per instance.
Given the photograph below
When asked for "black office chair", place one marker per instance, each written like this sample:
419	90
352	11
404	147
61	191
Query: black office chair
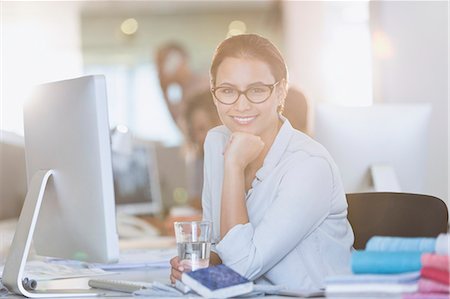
395	214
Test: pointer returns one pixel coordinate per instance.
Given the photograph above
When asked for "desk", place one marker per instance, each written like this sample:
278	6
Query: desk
160	275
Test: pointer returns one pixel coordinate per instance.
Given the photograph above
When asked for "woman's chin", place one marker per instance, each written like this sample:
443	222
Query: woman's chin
244	129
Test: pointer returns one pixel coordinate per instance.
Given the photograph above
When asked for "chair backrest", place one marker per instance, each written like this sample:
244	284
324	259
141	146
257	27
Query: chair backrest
395	214
296	109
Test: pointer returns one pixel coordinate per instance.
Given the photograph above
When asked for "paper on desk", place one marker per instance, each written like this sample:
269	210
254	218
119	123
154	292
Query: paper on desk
40	271
406	277
260	290
3	290
161	290
140	258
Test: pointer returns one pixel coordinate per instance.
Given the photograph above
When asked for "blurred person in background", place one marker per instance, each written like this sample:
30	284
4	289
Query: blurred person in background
178	82
296	109
191	106
201	116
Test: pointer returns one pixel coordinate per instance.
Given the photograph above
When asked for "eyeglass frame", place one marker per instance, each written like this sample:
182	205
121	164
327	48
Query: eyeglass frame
240	92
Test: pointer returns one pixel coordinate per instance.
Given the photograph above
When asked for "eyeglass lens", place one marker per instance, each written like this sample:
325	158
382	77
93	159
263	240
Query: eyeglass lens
255	94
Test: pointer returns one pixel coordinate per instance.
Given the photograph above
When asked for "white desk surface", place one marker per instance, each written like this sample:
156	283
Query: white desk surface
161	275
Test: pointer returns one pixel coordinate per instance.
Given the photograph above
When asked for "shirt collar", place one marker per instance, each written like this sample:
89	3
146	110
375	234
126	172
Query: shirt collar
277	150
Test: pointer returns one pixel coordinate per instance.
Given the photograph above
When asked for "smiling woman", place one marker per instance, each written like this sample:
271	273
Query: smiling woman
244	96
273	194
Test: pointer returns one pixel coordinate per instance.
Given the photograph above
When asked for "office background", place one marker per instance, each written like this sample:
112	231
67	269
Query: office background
344	52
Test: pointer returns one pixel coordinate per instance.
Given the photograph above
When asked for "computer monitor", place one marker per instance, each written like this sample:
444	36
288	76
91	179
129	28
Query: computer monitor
135	171
69	208
13	177
383	147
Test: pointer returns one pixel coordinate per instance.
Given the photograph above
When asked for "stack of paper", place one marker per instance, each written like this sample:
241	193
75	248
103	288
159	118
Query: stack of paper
40	271
128	259
140	258
371	284
388	265
434	282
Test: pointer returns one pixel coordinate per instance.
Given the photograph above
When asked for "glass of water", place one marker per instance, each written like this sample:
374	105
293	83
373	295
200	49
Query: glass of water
193	243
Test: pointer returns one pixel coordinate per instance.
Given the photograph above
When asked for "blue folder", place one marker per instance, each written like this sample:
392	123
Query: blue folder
383	262
380	243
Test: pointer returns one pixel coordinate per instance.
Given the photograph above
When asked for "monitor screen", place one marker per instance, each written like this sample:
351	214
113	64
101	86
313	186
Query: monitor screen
135	171
385	142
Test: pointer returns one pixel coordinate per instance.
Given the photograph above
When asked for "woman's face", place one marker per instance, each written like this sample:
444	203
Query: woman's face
244	116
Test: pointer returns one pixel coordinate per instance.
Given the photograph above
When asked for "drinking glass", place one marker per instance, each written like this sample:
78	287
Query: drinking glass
193	243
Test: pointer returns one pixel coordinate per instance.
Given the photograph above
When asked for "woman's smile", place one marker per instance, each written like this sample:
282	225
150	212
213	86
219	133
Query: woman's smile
244	120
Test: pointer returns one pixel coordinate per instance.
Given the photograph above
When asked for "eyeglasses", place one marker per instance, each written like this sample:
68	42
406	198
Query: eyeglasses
256	94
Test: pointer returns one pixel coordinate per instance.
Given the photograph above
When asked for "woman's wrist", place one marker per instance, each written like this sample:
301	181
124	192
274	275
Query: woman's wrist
233	166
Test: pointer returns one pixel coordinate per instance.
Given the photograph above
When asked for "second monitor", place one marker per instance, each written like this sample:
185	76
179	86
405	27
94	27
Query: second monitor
135	171
383	147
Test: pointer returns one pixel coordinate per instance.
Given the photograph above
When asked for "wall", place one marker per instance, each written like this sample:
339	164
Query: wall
304	39
412	67
415	69
40	43
328	50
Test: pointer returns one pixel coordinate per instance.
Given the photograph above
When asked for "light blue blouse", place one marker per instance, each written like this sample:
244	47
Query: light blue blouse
298	232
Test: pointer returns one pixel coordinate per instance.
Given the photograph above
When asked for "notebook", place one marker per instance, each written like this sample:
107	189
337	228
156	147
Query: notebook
217	282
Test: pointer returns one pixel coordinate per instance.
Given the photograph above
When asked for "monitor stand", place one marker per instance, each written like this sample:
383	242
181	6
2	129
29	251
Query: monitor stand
384	178
13	271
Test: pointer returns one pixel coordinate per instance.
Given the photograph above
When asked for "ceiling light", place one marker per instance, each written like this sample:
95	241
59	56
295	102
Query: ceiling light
236	27
129	26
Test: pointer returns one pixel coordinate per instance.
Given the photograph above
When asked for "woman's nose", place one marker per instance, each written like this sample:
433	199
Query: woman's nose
242	103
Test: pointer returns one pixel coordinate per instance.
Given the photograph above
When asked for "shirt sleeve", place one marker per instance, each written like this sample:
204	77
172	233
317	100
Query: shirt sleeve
207	193
302	203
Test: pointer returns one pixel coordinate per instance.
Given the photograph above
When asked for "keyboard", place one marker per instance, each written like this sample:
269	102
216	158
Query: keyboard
125	286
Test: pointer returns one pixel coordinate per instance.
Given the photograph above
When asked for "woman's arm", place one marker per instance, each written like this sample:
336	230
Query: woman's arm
242	148
233	209
302	202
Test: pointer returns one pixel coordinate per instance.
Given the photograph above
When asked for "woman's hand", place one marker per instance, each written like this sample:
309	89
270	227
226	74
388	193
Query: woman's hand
177	267
176	270
242	148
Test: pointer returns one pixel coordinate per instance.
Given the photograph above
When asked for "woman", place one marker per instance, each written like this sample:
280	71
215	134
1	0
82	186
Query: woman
273	194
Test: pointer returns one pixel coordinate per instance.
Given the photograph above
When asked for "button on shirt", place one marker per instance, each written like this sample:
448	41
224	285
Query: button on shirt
298	232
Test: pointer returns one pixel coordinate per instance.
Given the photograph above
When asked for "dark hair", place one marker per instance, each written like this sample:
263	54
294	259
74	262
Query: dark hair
250	46
163	51
200	101
173	46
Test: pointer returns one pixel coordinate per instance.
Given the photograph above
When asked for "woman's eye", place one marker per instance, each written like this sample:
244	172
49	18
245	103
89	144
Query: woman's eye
257	90
227	90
